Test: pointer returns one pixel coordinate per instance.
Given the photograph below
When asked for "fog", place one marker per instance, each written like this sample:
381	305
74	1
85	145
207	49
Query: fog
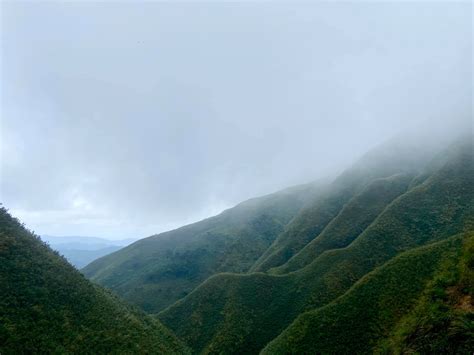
127	119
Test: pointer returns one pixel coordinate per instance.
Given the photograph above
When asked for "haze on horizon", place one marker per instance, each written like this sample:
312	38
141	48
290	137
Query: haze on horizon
126	119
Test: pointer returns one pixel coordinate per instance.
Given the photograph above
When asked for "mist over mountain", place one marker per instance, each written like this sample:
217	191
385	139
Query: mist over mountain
298	178
191	108
237	313
356	264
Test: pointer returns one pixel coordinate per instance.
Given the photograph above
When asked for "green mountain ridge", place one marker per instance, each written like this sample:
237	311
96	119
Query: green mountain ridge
47	306
380	260
361	320
242	313
351	221
155	272
256	235
397	156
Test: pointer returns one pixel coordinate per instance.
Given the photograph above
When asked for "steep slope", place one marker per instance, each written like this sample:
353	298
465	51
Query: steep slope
352	220
365	316
155	272
443	319
46	306
398	156
241	313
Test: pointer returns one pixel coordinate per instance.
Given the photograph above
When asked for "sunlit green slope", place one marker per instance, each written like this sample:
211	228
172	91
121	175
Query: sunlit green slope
46	306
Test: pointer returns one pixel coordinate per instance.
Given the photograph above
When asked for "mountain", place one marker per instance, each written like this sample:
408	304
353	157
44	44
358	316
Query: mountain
80	251
398	159
155	272
262	233
393	201
379	260
419	302
351	220
47	306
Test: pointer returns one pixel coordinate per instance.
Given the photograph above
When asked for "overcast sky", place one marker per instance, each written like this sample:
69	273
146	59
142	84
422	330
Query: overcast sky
123	120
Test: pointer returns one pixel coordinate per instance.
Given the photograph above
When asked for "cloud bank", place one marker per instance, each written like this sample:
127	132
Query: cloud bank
127	119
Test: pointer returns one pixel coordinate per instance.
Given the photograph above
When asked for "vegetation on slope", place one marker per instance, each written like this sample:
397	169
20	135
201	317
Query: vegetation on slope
367	313
46	306
242	313
155	272
353	219
443	319
393	157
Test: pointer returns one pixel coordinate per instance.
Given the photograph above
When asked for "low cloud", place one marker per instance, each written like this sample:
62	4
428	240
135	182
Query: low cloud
124	119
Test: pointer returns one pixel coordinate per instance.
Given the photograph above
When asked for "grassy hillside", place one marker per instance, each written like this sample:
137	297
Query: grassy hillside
241	313
394	157
380	261
155	272
443	319
46	306
367	313
351	221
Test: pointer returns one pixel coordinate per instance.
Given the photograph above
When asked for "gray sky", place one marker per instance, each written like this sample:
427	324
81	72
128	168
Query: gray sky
127	119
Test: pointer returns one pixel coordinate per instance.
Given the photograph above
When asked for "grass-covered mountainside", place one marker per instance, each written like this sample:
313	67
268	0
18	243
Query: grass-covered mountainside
262	233
381	260
380	312
155	272
381	230
387	161
47	306
352	220
442	320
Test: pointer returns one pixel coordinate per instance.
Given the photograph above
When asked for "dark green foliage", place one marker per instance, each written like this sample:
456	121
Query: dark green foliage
155	272
233	313
46	306
241	313
365	314
443	320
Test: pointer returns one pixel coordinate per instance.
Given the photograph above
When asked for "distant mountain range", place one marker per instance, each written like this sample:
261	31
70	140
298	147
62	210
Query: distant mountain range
80	251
